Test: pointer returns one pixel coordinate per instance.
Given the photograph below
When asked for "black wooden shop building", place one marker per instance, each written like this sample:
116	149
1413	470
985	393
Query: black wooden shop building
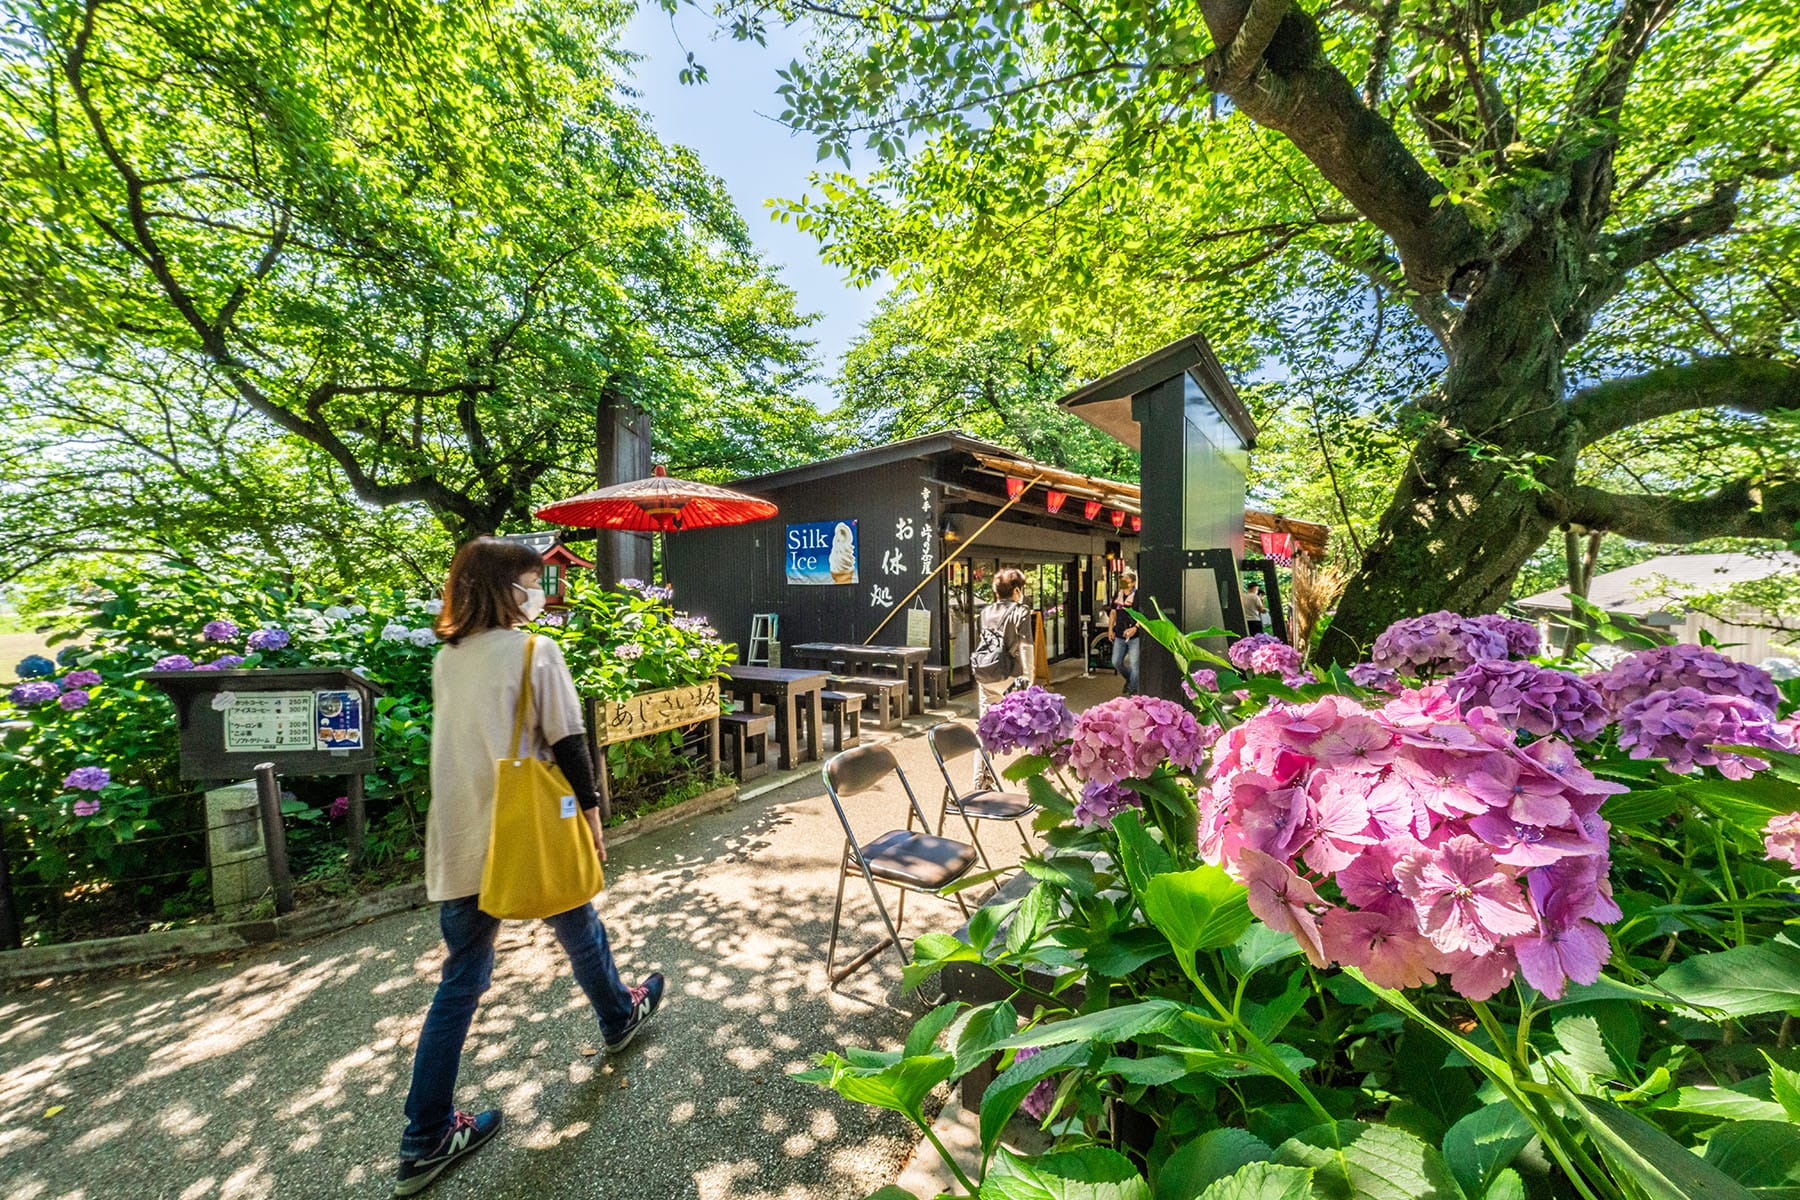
903	509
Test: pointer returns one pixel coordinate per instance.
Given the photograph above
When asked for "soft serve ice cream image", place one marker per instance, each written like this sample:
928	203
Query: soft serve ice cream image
842	562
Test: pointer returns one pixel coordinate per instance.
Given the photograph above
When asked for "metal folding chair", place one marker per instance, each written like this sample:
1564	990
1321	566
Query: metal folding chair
911	861
951	742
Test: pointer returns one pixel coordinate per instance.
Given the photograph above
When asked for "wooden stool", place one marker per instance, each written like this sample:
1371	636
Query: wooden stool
843	709
746	738
937	687
888	696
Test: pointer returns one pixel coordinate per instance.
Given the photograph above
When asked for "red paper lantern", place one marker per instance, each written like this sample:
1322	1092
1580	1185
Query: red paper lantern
1118	517
1093	509
1053	500
1137	524
1014	488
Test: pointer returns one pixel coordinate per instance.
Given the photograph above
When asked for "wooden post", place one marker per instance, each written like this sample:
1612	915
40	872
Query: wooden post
9	911
268	798
358	823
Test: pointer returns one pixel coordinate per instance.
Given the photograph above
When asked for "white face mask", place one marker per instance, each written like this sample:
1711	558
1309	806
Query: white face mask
533	603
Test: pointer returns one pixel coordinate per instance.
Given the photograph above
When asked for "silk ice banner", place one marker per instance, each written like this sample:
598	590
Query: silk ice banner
821	552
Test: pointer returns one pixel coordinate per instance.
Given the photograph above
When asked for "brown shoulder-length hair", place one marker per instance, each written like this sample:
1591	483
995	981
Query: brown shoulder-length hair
479	595
1008	582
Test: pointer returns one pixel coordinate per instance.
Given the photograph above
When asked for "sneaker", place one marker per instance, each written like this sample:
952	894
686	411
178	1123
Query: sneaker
466	1134
645	999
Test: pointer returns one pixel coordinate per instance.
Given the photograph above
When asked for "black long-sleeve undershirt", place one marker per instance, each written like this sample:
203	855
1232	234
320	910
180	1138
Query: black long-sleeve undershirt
578	768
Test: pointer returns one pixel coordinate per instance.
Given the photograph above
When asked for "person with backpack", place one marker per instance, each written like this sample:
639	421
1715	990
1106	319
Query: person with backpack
477	682
1126	645
1003	656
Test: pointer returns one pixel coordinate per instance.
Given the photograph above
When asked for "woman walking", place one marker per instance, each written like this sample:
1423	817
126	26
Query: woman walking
476	687
1004	652
1126	646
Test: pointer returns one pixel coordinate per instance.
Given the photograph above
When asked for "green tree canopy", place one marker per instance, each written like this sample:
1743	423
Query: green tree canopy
292	263
1577	221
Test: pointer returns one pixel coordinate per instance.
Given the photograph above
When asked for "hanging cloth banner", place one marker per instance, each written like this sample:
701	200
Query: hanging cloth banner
1278	547
918	626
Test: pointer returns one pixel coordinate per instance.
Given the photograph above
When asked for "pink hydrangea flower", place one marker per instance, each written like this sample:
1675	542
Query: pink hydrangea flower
1284	901
1384	943
1781	838
87	806
339	807
1465	901
1130	736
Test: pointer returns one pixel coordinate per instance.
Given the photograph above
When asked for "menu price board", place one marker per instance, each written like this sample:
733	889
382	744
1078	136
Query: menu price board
259	721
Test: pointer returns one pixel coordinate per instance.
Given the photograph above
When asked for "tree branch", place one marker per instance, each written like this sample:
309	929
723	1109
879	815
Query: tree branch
1739	509
1297	92
1739	382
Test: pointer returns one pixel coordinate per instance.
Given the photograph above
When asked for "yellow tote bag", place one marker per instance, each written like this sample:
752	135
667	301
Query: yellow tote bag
540	859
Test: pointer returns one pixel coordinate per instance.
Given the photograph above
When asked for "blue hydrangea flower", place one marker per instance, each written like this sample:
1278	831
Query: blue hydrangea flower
35	666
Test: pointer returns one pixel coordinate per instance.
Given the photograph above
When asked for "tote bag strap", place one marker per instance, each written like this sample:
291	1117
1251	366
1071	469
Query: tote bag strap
524	705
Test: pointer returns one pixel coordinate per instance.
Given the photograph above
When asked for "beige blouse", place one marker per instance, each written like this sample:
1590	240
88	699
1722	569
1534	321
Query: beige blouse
474	690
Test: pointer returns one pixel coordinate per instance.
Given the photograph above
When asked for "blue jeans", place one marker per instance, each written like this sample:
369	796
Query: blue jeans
1125	661
469	936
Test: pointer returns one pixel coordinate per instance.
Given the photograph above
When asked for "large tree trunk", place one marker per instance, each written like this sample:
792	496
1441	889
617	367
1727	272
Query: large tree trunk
1469	508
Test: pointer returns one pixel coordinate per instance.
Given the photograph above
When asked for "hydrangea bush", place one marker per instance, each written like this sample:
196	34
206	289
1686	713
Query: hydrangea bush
88	782
1451	924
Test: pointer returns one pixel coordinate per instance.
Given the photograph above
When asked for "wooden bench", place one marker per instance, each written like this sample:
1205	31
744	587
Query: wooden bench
746	738
887	696
843	712
937	687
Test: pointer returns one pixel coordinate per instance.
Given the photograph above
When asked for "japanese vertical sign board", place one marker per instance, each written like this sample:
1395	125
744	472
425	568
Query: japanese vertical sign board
653	712
822	553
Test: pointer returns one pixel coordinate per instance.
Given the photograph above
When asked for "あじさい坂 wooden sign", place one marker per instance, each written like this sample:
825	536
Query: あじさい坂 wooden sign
653	712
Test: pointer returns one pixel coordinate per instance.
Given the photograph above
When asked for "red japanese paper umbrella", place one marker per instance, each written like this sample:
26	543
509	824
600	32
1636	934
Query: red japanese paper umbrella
658	504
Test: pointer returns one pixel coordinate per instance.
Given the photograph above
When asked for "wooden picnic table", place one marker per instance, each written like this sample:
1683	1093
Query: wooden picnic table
910	660
795	697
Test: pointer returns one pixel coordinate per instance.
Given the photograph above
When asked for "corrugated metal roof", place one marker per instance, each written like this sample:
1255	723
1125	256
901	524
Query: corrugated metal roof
1661	583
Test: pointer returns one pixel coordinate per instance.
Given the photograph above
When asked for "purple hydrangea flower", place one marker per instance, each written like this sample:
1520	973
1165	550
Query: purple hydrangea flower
1200	680
219	631
1036	1104
1436	644
1265	654
1034	720
1682	726
87	779
34	666
1243	648
271	638
225	662
1666	668
80	679
30	695
1130	736
339	807
1380	679
87	806
73	699
1101	802
173	662
1522	639
1538	700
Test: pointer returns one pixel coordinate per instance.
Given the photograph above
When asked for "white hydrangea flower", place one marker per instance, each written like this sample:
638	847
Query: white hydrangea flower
422	637
337	612
358	610
434	607
393	631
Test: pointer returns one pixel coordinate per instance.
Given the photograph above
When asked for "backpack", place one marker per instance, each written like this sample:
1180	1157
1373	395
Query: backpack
989	660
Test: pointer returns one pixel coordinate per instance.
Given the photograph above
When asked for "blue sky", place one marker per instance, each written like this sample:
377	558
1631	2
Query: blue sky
729	121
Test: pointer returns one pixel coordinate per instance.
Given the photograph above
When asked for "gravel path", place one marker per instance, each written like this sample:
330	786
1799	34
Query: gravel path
282	1074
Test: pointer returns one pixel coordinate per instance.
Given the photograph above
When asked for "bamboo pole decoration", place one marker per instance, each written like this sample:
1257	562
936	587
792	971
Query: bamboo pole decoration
951	557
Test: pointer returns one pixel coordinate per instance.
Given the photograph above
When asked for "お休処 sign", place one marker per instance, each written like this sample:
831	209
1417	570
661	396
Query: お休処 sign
822	553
